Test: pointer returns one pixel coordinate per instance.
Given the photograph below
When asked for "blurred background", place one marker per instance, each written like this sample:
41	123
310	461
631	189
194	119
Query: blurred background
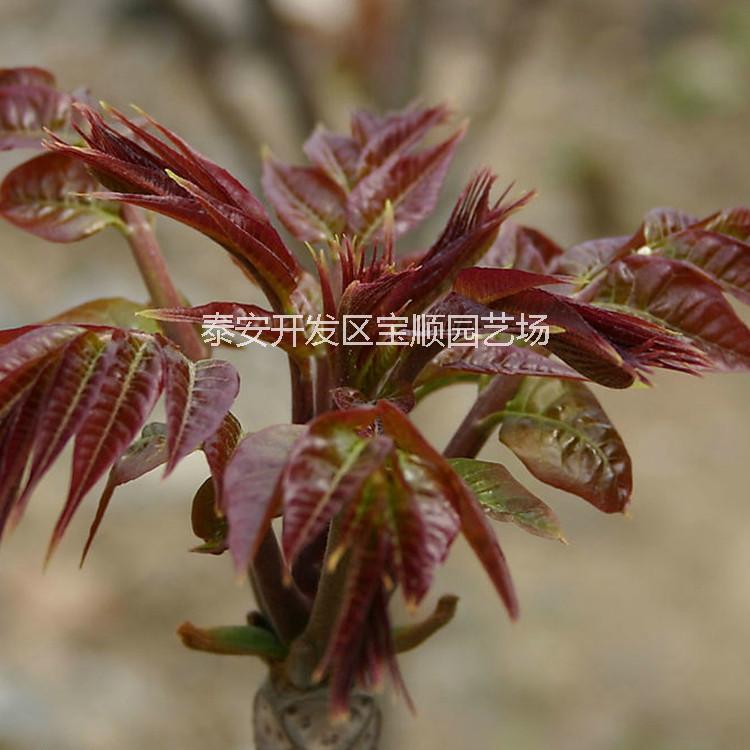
635	636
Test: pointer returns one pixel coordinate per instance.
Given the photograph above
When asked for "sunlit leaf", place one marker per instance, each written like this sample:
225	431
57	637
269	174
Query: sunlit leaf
47	197
198	397
506	499
561	433
310	205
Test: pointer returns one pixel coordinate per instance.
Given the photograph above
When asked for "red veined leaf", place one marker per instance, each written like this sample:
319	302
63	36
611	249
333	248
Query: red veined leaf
212	178
327	469
521	247
660	223
410	184
244	236
423	525
27	110
116	312
561	433
734	222
474	525
180	183
384	138
506	499
585	260
20	433
22	355
471	228
29	76
684	300
83	365
504	360
198	397
248	489
219	448
143	456
337	155
310	205
343	653
490	285
725	259
46	197
126	396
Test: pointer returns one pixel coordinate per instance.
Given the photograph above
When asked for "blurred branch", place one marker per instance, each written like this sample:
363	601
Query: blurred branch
204	48
276	41
506	47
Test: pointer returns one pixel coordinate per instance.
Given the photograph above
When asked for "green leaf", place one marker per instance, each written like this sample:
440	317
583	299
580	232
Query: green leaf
561	433
46	196
505	499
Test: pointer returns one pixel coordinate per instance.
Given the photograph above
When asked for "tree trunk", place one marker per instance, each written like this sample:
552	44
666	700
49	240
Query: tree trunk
286	718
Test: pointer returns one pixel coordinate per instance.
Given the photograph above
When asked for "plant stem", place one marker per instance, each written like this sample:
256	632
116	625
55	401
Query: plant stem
475	429
278	596
161	290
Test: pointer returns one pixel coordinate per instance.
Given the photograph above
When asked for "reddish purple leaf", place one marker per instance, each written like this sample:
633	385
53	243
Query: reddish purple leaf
310	205
725	259
26	110
327	470
337	155
411	184
198	397
143	456
126	396
248	495
561	433
30	76
684	300
46	196
504	360
523	248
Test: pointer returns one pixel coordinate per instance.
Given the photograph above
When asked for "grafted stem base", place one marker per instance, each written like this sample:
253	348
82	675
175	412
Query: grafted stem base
286	718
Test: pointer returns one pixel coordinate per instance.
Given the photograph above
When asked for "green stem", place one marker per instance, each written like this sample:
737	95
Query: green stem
153	268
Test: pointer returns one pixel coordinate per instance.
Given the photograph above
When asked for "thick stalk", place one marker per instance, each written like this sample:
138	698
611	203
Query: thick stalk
161	290
286	718
476	428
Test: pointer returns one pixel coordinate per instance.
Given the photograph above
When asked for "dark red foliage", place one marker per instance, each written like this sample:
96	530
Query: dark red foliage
365	499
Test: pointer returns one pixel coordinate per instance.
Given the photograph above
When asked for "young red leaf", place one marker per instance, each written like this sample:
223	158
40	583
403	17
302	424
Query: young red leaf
734	222
47	197
248	489
411	184
29	76
384	138
327	470
336	155
506	499
143	456
83	365
310	205
682	299
27	110
504	360
523	248
126	396
561	433
474	525
198	397
725	259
